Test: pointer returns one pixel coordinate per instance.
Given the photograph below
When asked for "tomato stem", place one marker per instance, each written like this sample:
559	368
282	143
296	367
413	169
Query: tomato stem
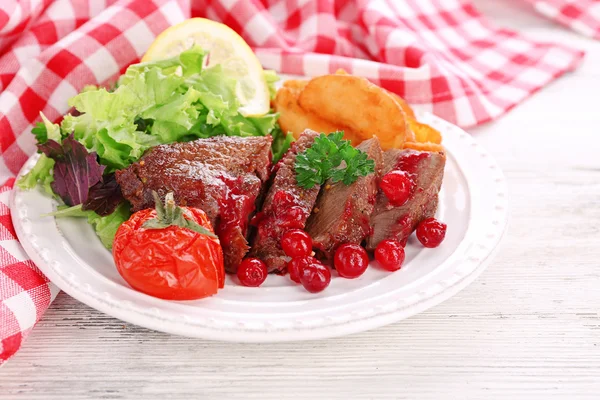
169	214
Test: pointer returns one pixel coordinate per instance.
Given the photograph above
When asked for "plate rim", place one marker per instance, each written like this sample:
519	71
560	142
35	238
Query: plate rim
264	332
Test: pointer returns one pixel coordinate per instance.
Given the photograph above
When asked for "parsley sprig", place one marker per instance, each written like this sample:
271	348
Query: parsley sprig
331	156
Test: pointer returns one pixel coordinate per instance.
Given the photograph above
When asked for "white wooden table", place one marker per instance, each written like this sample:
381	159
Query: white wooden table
529	327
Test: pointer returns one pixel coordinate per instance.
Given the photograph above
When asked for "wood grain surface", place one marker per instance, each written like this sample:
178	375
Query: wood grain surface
528	328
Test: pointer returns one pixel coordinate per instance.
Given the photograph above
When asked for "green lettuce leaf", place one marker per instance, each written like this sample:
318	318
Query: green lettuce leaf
105	227
271	77
174	119
45	130
66	211
52	130
281	143
41	173
220	87
40	132
266	123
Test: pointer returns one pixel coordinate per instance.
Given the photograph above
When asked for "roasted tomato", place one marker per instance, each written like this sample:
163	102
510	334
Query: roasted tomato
170	252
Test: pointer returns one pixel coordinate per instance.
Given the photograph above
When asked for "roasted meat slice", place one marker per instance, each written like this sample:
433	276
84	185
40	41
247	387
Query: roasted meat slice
342	213
223	176
287	206
397	222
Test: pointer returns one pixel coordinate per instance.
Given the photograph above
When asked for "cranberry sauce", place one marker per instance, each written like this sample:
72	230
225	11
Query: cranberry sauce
236	206
409	161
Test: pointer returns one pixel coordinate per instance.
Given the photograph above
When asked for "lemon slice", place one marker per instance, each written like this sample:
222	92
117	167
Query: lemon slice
224	47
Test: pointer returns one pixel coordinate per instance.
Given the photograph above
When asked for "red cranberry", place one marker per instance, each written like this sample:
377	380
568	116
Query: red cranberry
252	272
390	254
296	265
350	260
431	232
396	186
315	277
296	243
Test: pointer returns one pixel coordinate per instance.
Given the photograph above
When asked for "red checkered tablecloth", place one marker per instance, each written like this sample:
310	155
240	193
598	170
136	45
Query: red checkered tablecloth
441	55
583	16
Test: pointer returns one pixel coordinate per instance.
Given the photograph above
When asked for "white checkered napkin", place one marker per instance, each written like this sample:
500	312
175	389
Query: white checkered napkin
439	54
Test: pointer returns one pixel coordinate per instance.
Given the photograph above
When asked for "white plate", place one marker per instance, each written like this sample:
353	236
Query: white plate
472	202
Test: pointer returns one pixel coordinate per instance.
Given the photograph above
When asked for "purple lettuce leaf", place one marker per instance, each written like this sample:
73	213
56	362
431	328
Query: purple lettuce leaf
75	169
105	196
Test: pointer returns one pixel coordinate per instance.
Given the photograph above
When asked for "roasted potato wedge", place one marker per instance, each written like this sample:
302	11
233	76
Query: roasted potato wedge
295	85
356	106
403	104
292	118
433	147
409	136
408	111
424	133
354	103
